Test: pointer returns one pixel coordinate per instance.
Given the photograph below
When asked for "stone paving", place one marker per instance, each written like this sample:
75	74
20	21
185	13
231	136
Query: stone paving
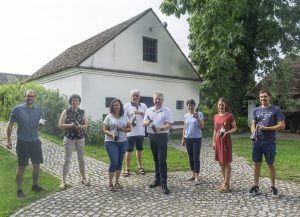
137	199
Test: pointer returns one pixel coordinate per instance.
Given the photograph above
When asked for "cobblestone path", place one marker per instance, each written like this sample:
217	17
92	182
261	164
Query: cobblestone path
137	199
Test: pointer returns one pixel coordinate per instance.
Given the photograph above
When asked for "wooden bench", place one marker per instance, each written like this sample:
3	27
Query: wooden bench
177	127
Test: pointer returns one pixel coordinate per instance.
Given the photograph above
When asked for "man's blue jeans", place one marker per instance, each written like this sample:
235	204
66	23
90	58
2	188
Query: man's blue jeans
116	152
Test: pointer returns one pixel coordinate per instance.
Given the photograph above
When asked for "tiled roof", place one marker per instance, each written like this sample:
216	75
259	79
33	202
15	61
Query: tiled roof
76	54
7	77
294	85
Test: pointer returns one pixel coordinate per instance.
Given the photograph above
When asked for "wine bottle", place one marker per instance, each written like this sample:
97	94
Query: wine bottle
223	129
153	127
116	137
133	121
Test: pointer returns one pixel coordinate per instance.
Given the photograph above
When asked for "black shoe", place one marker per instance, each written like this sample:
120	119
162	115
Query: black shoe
274	191
165	189
254	191
154	185
192	178
20	194
37	188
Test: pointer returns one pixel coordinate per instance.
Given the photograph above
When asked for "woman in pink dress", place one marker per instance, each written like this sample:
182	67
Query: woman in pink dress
224	125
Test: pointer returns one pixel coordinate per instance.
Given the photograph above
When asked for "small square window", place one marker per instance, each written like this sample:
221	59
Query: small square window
149	49
147	100
179	104
108	100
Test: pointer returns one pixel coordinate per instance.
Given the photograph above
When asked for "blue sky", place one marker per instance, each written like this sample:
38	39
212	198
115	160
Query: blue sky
33	32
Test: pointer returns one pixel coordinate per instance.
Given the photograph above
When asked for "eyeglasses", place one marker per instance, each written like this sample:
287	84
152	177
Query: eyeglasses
30	96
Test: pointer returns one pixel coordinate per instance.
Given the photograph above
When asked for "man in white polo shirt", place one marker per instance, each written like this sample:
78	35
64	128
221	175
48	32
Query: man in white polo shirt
158	120
135	111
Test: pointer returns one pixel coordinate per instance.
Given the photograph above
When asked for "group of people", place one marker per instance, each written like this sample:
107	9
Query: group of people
124	129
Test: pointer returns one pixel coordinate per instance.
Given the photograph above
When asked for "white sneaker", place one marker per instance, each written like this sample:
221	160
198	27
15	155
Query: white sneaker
86	182
62	186
197	182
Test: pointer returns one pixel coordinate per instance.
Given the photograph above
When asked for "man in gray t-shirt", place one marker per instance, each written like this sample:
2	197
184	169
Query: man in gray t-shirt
29	118
267	119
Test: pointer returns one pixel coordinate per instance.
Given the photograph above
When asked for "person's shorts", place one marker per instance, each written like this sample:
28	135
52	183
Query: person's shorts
26	150
137	140
260	148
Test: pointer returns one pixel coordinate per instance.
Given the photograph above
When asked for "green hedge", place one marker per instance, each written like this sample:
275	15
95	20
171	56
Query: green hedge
50	101
242	124
52	104
208	120
94	134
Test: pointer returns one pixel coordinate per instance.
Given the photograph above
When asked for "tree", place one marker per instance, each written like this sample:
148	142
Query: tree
231	41
279	83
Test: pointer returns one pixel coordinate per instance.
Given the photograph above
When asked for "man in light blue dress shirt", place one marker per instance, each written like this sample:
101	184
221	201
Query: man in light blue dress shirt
158	120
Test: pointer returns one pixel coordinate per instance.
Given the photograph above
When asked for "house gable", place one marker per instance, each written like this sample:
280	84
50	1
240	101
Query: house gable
125	52
76	54
83	54
111	64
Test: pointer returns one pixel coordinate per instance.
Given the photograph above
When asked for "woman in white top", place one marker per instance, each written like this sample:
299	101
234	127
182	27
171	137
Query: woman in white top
191	137
115	127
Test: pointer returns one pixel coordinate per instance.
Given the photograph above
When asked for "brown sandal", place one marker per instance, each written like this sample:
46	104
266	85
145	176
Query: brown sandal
141	171
218	186
224	188
126	173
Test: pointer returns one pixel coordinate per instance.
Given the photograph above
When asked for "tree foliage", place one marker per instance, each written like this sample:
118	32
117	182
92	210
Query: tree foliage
278	82
231	41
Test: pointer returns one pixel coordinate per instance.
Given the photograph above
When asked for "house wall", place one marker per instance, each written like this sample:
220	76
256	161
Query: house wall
68	82
94	86
125	52
251	106
97	85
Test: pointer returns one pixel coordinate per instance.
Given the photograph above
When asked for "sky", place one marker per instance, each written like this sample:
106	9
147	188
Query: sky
33	32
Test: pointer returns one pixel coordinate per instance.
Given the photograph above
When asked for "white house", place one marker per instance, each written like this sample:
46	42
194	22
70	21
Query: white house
138	53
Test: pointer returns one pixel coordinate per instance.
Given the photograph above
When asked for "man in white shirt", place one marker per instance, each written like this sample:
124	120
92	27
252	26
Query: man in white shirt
135	111
158	120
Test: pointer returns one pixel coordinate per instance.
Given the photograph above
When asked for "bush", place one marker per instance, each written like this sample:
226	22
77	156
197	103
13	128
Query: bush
12	94
50	101
242	124
208	120
94	133
52	105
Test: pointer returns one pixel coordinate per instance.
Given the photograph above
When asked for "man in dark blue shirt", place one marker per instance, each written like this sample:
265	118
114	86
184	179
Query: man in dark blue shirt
267	119
28	116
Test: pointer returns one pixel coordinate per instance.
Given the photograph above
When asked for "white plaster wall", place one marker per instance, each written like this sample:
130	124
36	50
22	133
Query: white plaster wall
67	82
251	106
125	52
97	85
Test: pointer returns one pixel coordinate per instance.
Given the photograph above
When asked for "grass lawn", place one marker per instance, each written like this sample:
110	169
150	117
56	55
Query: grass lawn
287	160
8	200
177	160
